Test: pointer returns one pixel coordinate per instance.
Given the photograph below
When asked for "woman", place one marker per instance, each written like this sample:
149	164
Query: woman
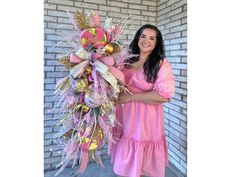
142	148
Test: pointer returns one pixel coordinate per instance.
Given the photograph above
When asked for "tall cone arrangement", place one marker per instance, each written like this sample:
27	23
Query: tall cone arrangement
86	97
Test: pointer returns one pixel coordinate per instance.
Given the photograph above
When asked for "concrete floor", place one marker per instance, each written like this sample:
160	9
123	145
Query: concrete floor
93	170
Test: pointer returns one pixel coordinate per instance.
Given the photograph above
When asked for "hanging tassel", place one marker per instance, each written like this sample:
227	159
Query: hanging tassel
62	167
97	158
83	161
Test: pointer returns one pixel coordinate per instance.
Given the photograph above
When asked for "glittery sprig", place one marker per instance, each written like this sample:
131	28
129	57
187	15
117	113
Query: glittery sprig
81	21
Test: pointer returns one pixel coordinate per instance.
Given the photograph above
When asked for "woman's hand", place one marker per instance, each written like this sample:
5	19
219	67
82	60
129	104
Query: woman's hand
124	98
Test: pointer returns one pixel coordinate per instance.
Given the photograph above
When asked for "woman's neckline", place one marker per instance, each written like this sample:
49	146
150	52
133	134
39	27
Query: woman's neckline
133	69
141	69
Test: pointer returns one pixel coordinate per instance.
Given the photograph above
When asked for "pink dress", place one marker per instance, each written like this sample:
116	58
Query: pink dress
142	147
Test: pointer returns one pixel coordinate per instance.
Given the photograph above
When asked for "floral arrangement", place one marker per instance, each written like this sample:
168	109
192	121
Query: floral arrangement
86	97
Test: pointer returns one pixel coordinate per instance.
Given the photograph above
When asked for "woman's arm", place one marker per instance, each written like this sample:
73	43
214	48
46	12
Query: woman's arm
150	97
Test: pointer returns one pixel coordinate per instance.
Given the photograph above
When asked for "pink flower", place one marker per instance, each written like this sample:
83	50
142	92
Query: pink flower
95	20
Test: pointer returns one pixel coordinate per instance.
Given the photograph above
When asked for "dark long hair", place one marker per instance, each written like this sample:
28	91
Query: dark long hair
152	64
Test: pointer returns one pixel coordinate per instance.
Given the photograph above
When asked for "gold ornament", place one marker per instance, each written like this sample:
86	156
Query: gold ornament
82	85
77	108
92	31
84	41
85	108
109	48
88	70
82	108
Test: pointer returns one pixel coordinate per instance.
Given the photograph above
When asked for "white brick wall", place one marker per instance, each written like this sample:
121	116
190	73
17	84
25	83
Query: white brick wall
171	19
169	16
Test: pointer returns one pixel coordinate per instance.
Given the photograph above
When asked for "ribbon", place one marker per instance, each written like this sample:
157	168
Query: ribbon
103	69
83	54
109	61
95	81
74	58
83	161
117	73
79	69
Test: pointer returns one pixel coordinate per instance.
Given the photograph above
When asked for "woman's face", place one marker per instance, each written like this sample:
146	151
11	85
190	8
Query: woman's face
147	40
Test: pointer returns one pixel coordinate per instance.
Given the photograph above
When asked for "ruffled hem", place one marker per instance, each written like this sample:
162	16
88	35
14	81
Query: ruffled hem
134	158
